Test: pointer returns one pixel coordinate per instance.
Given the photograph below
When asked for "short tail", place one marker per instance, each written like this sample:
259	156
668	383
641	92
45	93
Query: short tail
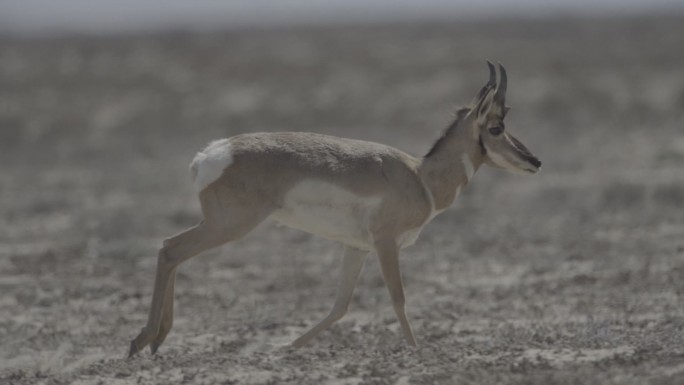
195	164
208	164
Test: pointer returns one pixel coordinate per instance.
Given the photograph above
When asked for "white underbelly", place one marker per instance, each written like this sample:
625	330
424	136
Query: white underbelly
326	210
409	237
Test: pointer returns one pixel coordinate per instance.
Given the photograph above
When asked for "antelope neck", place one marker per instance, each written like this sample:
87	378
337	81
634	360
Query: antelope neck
448	169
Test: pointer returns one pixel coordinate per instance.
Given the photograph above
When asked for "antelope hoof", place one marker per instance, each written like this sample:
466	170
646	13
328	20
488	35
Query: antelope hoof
133	350
139	342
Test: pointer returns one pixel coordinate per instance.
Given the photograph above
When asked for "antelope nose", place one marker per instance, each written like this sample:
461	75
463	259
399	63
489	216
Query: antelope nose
535	162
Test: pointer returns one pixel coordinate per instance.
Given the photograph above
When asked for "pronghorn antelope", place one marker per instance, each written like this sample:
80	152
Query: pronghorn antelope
368	196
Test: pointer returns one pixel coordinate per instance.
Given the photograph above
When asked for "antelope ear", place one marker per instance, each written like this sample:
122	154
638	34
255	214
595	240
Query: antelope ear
483	107
478	115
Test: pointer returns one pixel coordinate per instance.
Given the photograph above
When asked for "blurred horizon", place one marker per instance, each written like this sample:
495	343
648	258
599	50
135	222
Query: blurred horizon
40	17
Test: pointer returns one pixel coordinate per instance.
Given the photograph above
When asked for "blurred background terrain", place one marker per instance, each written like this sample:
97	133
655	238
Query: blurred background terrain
574	275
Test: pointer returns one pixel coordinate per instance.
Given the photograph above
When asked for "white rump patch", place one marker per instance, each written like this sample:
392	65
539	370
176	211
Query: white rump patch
468	166
208	164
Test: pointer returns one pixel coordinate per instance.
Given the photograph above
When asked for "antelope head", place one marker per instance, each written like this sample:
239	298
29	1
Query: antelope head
499	147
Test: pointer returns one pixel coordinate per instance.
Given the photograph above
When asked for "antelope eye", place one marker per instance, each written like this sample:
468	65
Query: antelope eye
497	130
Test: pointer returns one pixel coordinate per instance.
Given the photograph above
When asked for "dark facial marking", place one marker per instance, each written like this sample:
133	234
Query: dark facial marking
526	154
482	147
521	147
534	161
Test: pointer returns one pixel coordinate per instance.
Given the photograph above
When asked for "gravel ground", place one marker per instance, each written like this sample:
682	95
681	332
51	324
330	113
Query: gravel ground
572	276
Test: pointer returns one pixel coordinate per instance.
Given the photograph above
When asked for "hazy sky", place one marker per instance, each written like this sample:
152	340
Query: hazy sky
33	16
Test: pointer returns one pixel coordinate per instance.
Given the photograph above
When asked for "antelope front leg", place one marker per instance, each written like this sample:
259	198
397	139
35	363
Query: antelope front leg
388	254
351	267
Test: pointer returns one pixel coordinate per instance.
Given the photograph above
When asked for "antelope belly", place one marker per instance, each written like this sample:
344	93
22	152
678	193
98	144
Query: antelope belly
329	211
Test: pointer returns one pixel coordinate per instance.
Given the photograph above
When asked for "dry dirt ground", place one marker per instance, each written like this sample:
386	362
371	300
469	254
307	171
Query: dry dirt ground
572	276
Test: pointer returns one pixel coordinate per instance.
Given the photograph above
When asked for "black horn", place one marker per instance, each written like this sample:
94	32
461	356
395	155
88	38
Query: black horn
491	84
500	95
492	74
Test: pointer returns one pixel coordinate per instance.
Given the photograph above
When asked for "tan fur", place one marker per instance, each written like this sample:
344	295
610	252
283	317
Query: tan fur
372	197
